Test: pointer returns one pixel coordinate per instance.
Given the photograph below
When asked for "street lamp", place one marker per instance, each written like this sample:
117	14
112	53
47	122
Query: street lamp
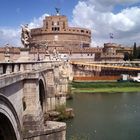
37	48
38	57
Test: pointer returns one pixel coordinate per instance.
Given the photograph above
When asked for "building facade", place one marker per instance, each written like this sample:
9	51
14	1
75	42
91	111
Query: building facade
114	52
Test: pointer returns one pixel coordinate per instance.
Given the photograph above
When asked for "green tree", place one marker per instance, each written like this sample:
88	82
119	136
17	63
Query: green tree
134	51
130	57
138	52
126	56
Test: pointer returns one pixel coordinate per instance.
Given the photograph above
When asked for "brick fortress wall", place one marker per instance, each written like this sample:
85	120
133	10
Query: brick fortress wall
56	32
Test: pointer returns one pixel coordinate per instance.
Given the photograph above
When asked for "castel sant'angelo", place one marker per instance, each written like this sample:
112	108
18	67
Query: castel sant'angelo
56	32
73	42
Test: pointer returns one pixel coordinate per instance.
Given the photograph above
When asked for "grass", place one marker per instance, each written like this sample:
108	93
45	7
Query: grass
105	87
64	115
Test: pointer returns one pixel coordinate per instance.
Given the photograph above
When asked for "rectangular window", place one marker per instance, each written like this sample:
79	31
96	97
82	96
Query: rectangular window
55	28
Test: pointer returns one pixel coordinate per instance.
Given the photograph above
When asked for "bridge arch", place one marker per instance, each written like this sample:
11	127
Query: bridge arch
42	92
10	127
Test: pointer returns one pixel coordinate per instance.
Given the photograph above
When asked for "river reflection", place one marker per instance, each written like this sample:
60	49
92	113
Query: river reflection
105	116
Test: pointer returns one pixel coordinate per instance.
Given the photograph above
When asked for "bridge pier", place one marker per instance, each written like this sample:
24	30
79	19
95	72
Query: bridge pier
57	88
33	115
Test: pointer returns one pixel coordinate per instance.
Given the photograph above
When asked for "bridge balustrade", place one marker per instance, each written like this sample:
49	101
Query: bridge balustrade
15	67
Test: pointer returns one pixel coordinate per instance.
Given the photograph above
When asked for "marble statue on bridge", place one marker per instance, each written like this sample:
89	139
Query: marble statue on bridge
25	35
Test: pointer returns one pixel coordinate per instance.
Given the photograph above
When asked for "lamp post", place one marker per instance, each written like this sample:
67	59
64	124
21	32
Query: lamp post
38	57
34	52
46	48
111	36
37	49
7	53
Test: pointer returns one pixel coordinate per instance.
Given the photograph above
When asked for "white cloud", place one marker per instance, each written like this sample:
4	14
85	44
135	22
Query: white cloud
92	14
37	22
12	36
107	5
9	35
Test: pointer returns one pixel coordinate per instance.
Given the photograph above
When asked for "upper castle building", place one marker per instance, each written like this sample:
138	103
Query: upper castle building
57	33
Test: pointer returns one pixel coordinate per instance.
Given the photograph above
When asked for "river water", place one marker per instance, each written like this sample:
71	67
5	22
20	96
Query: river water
105	116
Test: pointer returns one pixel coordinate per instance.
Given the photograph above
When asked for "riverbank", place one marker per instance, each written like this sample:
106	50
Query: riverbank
105	87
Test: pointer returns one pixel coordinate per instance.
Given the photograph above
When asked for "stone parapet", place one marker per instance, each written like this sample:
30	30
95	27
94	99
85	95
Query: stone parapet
6	80
52	131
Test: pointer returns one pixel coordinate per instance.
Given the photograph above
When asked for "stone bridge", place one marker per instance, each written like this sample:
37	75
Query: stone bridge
28	90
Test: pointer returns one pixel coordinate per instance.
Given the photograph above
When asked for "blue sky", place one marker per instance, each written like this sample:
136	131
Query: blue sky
102	17
15	12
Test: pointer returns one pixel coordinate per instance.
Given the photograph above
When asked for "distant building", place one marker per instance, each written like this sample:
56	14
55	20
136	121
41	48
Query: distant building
114	52
110	52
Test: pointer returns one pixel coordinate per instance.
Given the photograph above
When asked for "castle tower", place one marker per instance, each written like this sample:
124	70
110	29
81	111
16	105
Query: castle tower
57	33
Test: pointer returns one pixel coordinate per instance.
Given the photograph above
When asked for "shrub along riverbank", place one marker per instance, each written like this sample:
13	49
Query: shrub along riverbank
110	87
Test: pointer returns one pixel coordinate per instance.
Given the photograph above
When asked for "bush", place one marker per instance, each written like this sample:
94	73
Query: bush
62	110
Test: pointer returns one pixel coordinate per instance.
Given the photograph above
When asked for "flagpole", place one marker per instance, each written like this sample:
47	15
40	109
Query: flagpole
111	37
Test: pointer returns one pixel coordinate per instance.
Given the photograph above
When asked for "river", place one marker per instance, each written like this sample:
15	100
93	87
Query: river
105	116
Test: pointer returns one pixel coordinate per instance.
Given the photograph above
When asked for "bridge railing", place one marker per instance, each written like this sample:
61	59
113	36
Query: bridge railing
15	67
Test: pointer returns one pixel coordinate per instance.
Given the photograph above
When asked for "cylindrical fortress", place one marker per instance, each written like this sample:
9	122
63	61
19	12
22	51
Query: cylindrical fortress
56	32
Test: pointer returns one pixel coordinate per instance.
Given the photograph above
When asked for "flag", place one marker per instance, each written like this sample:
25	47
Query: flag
111	35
